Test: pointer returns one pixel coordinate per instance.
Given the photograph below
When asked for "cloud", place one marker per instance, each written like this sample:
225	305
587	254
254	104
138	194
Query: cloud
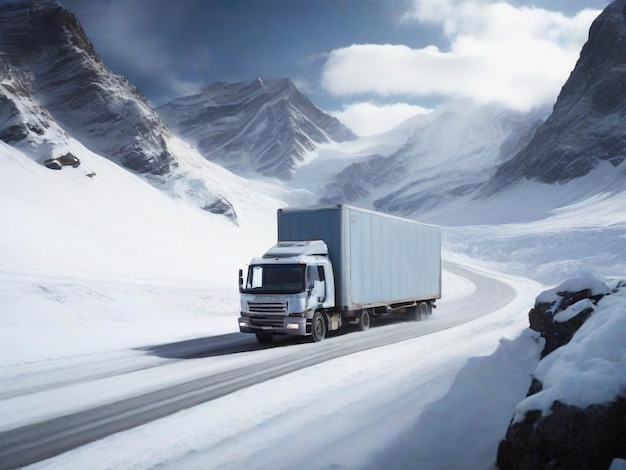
515	55
368	118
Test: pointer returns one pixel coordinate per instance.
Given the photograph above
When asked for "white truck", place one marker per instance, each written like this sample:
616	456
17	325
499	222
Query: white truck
337	265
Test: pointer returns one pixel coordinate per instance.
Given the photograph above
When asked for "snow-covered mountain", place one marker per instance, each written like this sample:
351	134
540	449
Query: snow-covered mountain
437	157
56	91
258	127
586	128
101	108
98	274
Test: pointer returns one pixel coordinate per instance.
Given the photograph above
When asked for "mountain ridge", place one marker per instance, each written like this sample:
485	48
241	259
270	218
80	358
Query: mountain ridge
255	127
102	108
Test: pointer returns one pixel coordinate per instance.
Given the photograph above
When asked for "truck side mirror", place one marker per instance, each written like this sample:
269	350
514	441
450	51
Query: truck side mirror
240	280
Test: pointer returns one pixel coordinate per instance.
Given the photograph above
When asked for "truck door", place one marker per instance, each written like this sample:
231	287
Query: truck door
316	285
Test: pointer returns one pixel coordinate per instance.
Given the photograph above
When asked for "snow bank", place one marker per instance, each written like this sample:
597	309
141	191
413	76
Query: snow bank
581	281
591	368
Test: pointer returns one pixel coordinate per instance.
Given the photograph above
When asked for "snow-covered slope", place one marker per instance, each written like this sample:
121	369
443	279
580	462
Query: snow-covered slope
95	258
426	161
113	254
97	264
586	127
258	127
54	86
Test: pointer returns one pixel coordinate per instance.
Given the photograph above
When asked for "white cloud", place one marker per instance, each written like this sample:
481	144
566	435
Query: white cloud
515	55
367	118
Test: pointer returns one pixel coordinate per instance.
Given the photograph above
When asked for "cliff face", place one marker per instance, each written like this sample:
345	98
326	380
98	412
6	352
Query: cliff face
586	127
68	79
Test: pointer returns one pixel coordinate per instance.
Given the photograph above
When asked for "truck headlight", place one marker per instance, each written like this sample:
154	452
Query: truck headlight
243	323
292	326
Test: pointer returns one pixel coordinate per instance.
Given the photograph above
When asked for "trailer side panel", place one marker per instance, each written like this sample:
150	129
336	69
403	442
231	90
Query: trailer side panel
389	260
377	259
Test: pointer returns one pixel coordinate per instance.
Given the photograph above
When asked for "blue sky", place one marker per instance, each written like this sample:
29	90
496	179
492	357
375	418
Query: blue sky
370	62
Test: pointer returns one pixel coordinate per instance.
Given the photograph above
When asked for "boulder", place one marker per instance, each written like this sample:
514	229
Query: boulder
64	160
568	438
562	435
557	333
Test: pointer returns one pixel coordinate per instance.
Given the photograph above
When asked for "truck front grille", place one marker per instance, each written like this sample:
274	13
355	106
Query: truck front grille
266	322
267	307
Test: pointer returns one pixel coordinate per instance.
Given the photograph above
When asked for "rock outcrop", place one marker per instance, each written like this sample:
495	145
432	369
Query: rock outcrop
543	317
565	436
569	438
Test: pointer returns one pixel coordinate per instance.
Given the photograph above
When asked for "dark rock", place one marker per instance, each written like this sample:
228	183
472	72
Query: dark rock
36	128
568	438
14	133
53	164
556	334
65	160
222	207
535	387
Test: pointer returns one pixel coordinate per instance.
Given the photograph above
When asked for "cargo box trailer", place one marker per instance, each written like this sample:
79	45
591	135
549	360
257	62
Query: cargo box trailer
337	265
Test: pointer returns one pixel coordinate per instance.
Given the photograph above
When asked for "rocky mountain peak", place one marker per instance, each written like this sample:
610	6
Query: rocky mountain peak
586	128
602	57
261	126
109	114
53	23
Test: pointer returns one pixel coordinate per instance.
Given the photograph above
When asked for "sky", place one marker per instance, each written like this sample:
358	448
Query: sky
371	63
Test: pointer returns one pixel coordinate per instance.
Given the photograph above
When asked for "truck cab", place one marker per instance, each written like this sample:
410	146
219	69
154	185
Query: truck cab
288	291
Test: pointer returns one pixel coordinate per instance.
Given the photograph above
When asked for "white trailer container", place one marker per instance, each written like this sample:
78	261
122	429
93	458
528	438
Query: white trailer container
369	264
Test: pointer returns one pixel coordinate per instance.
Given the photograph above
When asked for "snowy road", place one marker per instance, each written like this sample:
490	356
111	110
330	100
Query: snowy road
80	400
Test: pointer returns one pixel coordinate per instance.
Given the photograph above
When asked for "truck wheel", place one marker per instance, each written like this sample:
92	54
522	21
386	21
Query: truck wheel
424	310
364	320
318	327
264	337
413	313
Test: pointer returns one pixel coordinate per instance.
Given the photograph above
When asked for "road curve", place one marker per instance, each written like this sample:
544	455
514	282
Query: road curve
29	444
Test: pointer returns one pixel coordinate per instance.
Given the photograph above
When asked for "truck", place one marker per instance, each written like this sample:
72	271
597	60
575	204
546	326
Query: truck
338	265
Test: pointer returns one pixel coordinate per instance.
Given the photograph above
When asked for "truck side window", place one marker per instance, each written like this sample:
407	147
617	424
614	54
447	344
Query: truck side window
315	280
312	275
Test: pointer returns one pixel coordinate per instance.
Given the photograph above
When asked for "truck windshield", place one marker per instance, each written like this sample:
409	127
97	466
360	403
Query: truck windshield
275	279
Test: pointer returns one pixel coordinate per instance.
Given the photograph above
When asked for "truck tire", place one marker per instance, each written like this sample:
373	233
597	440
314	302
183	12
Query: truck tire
423	310
264	337
318	327
364	320
413	313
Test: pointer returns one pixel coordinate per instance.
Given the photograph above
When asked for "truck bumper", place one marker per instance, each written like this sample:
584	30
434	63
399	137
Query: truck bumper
273	325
